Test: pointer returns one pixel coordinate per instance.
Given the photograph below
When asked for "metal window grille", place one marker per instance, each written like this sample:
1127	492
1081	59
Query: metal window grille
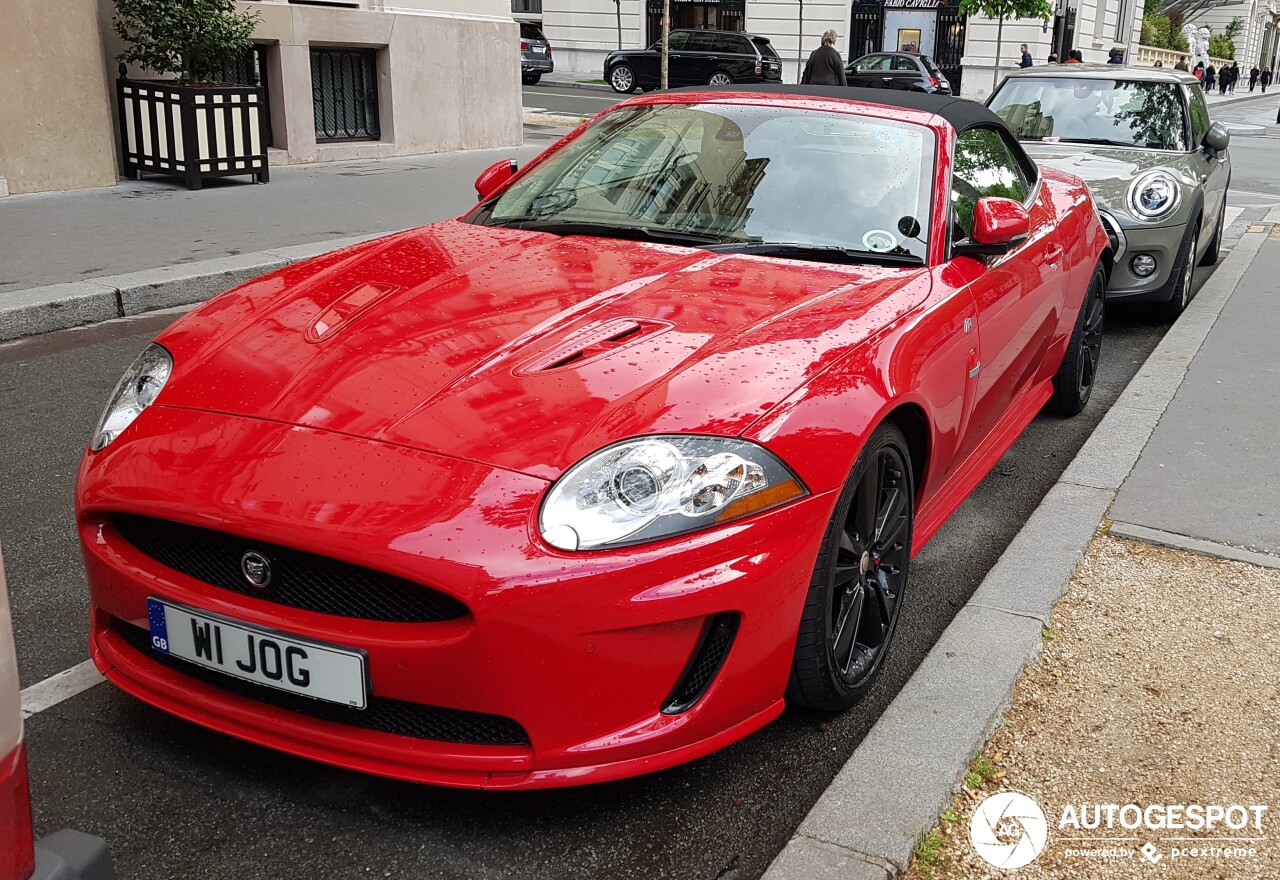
948	47
250	69
529	7
344	84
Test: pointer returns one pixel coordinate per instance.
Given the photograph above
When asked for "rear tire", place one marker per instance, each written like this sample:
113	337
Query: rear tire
1214	250
530	78
719	78
855	593
622	79
1073	385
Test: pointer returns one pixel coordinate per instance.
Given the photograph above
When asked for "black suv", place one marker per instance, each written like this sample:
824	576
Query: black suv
535	53
696	57
897	70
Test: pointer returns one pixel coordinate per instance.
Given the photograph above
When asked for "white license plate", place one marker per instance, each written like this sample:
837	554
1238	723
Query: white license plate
541	50
288	663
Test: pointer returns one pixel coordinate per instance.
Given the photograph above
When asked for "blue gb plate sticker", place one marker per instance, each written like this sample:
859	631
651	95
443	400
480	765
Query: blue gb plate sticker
159	630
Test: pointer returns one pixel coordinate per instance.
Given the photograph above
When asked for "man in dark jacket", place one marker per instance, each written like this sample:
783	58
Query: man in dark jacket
1026	57
825	67
1253	78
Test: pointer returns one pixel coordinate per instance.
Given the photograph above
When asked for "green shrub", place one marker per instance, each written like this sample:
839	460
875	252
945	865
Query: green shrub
190	38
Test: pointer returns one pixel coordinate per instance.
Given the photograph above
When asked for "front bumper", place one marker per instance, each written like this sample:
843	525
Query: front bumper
1162	242
581	650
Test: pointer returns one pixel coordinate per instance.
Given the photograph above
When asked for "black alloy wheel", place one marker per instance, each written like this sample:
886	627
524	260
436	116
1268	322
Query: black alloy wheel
1073	384
855	595
1184	285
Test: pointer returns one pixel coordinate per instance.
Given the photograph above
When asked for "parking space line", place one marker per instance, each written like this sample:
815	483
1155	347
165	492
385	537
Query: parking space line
56	688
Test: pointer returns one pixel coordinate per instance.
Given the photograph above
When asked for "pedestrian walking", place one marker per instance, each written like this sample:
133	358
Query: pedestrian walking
1026	57
1224	80
825	66
1053	58
1265	79
1159	63
1199	71
1181	65
1235	77
1253	78
1075	56
1115	56
1210	78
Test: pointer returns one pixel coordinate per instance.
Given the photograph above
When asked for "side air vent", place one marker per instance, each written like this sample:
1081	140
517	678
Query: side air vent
707	658
595	341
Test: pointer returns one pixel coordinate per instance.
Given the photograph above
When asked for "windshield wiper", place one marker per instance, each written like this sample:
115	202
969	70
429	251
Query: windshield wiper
822	253
605	230
1106	142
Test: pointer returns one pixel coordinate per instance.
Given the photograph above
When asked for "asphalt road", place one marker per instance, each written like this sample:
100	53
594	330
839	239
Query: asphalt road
177	801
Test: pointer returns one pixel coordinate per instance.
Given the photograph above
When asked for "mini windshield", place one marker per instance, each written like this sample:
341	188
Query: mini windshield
734	174
1138	114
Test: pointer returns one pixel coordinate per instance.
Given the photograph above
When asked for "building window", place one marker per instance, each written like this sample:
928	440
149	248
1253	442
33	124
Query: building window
526	7
1123	23
721	15
344	86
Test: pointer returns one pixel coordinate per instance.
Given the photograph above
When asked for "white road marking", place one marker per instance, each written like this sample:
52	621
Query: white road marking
62	686
588	97
1231	215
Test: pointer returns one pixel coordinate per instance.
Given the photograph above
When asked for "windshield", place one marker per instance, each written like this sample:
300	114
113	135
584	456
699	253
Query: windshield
1137	114
723	173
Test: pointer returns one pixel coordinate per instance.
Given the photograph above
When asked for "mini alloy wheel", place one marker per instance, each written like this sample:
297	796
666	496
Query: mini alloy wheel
856	593
1184	286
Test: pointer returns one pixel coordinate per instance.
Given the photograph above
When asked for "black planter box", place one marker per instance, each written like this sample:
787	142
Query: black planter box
192	132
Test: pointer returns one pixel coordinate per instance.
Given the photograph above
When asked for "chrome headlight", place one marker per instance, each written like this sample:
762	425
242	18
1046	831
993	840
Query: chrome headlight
136	390
655	487
1154	195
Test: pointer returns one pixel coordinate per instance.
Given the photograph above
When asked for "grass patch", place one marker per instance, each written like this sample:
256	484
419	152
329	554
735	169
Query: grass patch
928	852
950	814
980	771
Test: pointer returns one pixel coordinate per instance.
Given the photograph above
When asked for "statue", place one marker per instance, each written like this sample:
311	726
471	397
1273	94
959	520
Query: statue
1197	44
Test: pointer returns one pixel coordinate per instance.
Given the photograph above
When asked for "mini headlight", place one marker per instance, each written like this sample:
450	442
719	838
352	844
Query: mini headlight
136	390
655	487
1154	195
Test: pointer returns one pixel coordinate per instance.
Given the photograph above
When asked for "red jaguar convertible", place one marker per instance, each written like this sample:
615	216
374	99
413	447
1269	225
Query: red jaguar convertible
598	477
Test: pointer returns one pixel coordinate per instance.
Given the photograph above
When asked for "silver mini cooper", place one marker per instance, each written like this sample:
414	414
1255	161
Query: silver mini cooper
1157	166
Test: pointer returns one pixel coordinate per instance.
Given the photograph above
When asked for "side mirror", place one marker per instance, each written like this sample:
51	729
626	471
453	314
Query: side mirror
493	177
1217	137
998	225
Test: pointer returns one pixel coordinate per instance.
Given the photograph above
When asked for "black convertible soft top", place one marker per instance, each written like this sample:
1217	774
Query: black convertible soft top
960	112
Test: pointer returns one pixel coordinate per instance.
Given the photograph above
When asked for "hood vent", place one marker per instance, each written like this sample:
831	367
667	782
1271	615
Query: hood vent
595	341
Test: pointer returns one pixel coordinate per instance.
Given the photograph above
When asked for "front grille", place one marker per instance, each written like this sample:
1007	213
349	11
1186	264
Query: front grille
706	660
388	716
299	580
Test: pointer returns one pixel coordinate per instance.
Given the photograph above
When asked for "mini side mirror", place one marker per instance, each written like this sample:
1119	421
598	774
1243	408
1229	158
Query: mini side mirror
1217	137
998	225
493	177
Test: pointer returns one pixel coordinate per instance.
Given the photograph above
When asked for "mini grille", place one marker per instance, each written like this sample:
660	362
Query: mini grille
388	716
299	580
707	658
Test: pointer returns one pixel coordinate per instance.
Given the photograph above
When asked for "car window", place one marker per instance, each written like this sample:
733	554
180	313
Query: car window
900	63
873	62
529	31
1103	111
675	40
929	65
732	44
1199	116
740	173
764	47
701	42
984	166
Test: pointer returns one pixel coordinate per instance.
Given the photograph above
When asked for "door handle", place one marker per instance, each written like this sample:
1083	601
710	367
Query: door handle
1052	253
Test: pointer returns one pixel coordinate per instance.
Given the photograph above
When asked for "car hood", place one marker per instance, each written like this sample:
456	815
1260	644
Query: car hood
1107	171
525	350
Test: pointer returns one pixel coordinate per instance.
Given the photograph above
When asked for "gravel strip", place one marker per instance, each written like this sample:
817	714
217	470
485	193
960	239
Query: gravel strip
1158	685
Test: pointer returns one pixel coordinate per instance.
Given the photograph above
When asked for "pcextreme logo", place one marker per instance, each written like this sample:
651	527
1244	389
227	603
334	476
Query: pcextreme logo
1009	830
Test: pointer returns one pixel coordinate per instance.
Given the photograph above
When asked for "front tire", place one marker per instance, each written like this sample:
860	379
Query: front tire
855	594
622	79
1183	285
1214	250
1073	385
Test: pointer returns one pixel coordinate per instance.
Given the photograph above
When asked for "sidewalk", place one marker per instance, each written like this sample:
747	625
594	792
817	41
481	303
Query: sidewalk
1156	678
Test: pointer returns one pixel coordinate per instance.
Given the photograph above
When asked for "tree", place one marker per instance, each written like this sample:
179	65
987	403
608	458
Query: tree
1222	46
1000	10
190	38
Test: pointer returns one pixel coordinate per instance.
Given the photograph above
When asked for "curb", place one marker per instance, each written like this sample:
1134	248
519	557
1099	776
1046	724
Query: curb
75	303
903	774
573	84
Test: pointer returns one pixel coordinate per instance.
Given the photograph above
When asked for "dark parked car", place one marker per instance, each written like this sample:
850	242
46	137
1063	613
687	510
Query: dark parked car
897	70
717	58
535	53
